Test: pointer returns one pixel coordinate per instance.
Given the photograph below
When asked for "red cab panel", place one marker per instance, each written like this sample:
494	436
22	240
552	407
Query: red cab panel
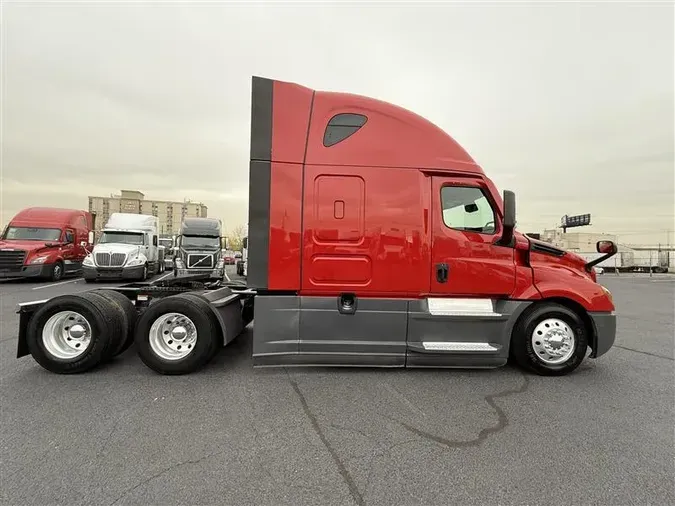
285	206
291	113
360	233
390	137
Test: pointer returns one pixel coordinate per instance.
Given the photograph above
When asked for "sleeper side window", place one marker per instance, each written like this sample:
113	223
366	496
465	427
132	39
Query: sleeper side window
342	126
467	208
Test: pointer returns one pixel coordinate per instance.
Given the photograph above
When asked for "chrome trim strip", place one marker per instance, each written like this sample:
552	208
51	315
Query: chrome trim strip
453	346
461	307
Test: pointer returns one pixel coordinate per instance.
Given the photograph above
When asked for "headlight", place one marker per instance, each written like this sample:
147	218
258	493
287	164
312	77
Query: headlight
88	261
132	262
178	262
220	264
39	260
609	294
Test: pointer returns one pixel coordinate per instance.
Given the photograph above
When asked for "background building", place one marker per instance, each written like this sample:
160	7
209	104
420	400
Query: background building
576	241
170	213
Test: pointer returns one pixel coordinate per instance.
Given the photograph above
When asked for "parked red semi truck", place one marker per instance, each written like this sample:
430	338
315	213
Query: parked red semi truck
374	240
45	242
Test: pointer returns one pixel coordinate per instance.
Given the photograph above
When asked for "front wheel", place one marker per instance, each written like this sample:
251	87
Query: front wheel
550	340
56	272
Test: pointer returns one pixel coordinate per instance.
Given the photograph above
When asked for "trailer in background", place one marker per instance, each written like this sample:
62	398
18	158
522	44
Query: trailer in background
656	261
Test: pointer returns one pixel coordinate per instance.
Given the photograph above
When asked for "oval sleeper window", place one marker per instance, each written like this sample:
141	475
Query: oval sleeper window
342	126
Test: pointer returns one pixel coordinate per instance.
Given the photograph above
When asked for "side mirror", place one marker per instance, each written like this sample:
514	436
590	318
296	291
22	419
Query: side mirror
84	244
606	247
244	242
90	237
509	221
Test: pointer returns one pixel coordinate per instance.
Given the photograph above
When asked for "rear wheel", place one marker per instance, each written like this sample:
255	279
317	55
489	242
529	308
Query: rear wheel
177	335
128	314
71	333
550	340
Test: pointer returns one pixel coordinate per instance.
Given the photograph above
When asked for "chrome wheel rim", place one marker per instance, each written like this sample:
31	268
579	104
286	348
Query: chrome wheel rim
553	341
66	335
173	336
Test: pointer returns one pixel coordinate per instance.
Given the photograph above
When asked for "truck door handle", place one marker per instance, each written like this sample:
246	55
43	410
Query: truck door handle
442	271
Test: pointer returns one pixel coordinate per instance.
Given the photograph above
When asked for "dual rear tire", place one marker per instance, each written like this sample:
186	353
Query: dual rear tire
75	333
178	335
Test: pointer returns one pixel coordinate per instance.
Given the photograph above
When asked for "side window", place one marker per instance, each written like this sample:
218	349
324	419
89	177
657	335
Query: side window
70	238
467	208
342	126
154	240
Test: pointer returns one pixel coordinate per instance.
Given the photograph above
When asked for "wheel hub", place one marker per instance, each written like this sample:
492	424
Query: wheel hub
179	333
66	335
173	336
77	331
553	341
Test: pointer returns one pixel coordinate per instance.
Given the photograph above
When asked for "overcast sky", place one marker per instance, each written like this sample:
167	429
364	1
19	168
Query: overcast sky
570	105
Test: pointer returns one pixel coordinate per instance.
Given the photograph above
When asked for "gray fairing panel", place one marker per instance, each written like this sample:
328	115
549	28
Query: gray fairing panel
493	329
276	328
376	332
294	330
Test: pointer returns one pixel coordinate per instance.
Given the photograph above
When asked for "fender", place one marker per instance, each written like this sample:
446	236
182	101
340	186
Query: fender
556	282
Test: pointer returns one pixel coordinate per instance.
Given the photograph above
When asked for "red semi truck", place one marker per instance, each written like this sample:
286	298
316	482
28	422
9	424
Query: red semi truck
374	240
45	242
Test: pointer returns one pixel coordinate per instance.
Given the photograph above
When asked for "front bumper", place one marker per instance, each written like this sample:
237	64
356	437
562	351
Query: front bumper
102	273
604	325
213	273
28	271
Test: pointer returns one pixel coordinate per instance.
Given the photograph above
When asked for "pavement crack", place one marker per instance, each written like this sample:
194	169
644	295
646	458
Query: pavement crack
502	420
351	429
163	472
347	478
644	352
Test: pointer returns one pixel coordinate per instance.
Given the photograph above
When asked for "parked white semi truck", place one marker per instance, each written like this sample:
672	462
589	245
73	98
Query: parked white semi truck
127	249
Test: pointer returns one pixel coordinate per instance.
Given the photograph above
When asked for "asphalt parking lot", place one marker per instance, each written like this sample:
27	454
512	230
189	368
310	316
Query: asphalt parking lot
237	436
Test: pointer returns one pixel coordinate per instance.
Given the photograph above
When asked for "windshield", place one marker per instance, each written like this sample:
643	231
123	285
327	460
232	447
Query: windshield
32	234
193	241
121	237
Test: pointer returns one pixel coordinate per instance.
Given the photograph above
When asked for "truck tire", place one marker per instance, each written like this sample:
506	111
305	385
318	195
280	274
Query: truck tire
72	333
56	273
128	314
549	340
177	335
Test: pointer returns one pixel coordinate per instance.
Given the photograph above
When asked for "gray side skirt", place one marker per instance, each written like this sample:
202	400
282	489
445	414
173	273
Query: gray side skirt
313	331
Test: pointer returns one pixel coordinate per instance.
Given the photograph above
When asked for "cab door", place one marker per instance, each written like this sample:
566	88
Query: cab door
466	224
461	322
